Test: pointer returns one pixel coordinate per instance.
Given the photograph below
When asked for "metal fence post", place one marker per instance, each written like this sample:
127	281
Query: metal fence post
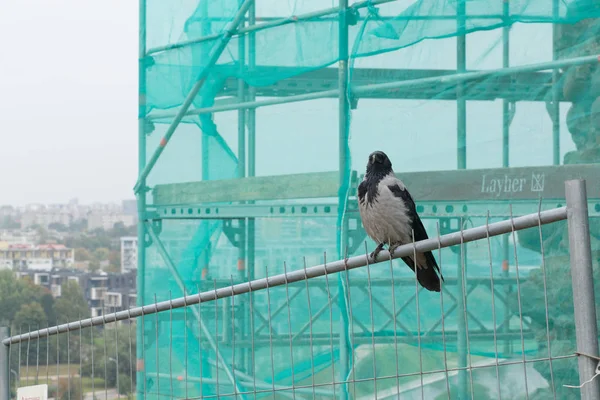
586	330
4	367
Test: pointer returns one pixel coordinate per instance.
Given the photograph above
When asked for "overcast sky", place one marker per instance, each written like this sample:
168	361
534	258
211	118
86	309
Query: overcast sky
68	100
68	106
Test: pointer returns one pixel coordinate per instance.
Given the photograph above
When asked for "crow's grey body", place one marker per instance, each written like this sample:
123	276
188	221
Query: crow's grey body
389	216
385	217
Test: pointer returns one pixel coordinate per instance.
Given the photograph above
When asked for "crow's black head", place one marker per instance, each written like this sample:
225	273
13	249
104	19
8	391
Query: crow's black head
379	163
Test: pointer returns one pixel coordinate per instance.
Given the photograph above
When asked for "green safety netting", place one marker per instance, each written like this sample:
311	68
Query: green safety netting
537	115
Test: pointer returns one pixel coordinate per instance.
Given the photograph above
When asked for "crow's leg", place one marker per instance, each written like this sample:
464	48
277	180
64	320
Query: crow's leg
376	251
393	247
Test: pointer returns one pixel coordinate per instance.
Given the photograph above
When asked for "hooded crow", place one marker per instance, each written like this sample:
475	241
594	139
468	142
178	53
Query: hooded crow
389	215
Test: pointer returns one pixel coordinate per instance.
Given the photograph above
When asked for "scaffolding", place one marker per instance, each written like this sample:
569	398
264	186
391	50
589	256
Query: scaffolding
231	206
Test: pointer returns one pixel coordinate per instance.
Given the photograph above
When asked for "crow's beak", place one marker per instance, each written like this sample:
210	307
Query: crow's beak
373	157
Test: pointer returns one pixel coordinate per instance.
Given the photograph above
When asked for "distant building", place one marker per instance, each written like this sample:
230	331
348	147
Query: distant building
104	292
107	220
5	264
41	257
8	211
19	236
129	246
45	217
129	207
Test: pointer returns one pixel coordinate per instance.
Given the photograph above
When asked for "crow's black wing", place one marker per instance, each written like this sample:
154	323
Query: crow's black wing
417	225
362	191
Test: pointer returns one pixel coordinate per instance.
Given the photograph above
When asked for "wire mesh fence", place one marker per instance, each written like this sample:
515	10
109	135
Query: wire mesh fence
495	336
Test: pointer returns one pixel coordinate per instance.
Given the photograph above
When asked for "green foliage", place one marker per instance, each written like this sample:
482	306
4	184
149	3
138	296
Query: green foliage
93	266
42	234
14	293
69	389
126	364
101	254
57	226
71	304
79	225
82	254
8	222
125	384
47	303
115	260
30	316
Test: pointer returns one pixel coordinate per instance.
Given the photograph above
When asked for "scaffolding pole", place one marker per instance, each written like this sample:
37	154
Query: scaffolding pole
461	163
582	278
141	199
251	125
241	173
555	106
344	155
389	86
214	57
506	121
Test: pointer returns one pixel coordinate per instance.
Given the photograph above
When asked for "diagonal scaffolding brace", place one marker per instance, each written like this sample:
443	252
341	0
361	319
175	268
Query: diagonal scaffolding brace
214	57
167	259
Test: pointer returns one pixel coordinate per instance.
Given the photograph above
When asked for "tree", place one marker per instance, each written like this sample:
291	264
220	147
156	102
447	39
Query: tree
42	234
101	254
124	384
82	254
115	260
30	317
9	222
117	342
47	303
69	389
79	225
71	305
14	293
93	266
57	226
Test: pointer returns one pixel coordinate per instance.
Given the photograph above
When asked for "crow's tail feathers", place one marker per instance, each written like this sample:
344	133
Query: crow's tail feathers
427	277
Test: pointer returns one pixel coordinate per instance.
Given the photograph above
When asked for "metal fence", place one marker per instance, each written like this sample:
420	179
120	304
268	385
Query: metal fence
105	346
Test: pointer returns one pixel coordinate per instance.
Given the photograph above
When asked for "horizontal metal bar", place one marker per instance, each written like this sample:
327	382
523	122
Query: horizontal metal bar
398	18
499	209
389	86
250	104
468	235
466	76
383	337
408	281
426	209
226	211
530	86
259	27
248	381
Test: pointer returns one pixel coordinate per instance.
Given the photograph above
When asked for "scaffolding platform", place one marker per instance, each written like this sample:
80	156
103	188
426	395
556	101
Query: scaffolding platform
520	86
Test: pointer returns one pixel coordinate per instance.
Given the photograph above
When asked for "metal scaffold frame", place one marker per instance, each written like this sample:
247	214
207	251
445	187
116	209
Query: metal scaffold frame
244	211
